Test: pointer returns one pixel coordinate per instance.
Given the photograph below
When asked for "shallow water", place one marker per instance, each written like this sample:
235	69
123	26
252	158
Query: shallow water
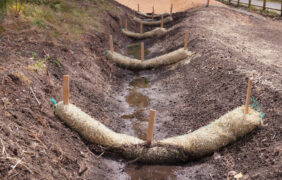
134	50
139	118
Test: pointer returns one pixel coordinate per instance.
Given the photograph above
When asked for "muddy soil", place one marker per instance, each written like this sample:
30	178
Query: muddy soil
229	44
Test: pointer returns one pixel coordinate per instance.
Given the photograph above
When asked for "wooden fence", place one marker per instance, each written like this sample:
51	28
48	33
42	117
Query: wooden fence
249	4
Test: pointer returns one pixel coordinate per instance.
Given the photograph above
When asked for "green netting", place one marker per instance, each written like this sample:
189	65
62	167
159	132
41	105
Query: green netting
255	105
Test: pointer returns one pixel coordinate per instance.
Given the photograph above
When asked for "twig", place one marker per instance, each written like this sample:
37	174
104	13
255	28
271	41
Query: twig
211	176
34	96
14	166
4	103
82	171
100	155
3	148
133	161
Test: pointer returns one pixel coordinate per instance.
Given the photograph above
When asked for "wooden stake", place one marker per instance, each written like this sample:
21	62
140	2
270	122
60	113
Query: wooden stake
138	8
150	133
125	25
153	13
111	43
248	97
162	21
186	40
264	5
141	27
66	90
142	51
171	8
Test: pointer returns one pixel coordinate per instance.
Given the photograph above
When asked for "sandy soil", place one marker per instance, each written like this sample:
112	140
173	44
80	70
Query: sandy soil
229	44
162	6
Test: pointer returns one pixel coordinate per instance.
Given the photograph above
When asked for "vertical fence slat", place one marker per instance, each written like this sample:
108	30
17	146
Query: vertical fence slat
264	4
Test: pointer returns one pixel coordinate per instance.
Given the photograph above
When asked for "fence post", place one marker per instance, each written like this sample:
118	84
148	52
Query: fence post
153	13
162	21
238	3
264	4
66	89
141	27
150	132
142	51
249	5
246	111
281	7
229	1
111	43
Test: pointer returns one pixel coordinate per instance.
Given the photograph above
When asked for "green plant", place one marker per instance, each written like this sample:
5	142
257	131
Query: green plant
252	8
33	54
1	29
40	23
57	62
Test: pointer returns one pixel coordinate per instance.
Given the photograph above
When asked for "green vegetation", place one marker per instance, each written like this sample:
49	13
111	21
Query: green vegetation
268	12
63	18
253	8
3	5
1	29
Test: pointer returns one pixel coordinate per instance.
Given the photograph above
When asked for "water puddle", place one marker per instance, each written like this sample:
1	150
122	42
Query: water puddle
152	172
134	51
139	102
135	98
139	118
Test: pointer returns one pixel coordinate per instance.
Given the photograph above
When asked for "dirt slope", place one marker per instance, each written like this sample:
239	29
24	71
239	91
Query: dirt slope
229	44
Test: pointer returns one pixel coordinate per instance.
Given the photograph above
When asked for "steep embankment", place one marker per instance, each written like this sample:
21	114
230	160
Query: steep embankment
37	48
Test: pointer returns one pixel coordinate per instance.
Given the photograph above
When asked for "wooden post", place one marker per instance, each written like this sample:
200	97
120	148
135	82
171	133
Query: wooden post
186	40
141	27
111	43
138	8
153	13
229	1
246	111
264	4
151	126
66	89
162	21
171	9
249	5
238	2
142	51
125	25
208	3
281	7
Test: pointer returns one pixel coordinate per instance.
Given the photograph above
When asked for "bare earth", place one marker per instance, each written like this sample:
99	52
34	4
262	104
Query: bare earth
162	6
229	45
